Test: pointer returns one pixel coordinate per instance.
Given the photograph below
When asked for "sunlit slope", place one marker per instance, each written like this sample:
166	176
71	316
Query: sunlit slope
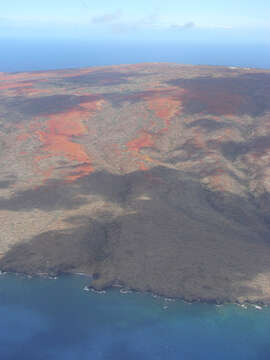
155	176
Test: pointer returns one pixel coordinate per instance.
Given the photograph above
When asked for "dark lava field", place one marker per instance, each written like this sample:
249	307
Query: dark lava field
153	177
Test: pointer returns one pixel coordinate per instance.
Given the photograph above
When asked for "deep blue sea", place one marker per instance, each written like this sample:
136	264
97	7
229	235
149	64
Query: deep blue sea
28	55
43	319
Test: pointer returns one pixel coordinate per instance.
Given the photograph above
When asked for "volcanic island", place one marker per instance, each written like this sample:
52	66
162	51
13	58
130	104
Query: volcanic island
153	177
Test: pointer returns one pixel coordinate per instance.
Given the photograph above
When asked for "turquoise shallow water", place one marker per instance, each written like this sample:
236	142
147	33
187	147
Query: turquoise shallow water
56	319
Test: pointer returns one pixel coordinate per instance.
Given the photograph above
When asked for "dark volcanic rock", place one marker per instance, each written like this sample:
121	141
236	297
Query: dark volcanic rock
158	180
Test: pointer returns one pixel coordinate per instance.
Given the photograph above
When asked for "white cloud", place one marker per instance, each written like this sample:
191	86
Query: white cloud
185	26
107	18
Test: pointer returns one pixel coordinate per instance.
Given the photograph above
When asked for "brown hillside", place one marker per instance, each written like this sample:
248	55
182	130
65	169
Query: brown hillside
152	176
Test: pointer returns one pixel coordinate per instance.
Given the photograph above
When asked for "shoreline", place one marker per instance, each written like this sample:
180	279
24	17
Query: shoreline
258	305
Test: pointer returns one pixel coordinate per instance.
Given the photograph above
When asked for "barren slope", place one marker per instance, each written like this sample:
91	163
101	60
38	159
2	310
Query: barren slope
152	176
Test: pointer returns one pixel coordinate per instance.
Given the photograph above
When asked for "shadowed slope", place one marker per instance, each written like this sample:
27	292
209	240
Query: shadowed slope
175	238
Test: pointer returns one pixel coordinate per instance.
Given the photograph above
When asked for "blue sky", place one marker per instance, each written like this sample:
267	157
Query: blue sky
149	20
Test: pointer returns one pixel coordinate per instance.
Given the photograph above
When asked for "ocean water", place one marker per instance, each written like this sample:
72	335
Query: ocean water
56	319
42	54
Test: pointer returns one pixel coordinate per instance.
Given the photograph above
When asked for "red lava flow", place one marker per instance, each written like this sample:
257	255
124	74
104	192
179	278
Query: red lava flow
164	108
57	139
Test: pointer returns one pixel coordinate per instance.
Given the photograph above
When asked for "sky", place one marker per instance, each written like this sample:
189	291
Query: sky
242	21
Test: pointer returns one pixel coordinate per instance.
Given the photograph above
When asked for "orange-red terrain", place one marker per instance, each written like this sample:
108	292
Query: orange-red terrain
151	176
56	139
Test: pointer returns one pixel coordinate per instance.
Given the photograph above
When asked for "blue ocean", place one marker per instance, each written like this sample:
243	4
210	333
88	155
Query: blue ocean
42	54
47	319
